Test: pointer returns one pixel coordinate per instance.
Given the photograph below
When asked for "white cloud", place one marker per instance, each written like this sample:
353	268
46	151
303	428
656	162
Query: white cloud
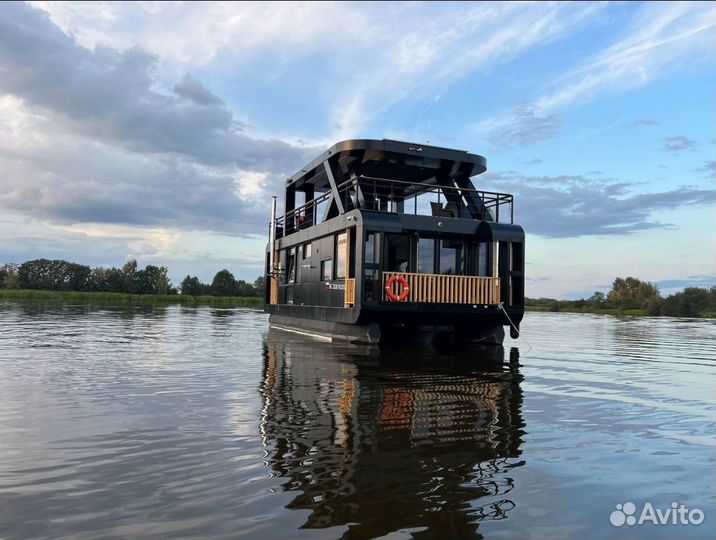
373	54
662	38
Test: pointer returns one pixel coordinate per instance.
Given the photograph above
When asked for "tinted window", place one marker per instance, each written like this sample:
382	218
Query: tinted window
291	267
341	259
370	248
398	247
327	270
452	257
426	255
482	259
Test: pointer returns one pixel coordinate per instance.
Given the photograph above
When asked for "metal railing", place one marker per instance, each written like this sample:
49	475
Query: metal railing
386	195
445	289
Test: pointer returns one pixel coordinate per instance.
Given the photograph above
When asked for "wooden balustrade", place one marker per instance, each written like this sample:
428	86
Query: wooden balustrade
446	289
350	293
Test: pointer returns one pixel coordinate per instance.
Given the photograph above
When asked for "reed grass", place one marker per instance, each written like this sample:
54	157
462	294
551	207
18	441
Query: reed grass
120	298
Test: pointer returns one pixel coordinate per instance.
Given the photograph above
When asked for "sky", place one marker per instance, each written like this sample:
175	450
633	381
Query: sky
159	131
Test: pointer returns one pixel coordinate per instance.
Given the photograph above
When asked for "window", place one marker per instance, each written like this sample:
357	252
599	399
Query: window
398	247
371	283
291	267
516	261
482	259
426	255
452	257
327	270
306	251
370	248
341	259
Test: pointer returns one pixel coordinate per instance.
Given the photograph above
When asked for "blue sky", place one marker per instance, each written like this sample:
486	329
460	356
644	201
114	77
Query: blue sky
159	131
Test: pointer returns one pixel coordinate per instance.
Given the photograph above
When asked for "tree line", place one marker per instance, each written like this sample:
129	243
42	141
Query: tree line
634	294
59	275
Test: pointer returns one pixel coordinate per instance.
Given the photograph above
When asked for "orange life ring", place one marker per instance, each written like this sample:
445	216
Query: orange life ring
389	288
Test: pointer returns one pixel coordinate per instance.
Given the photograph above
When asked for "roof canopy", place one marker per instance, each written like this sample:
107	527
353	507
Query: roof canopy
395	160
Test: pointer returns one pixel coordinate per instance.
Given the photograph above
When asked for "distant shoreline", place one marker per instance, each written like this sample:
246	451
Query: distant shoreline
126	298
254	302
611	311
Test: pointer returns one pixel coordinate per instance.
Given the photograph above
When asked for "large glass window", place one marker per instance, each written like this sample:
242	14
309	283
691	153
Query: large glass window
306	250
452	257
327	270
398	248
371	267
426	255
291	266
341	259
370	248
477	259
482	259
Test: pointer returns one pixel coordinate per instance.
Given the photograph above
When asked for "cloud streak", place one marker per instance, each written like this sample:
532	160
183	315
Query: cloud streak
679	143
661	39
568	206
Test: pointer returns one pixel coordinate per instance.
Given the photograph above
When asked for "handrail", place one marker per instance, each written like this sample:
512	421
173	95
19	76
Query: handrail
490	200
435	186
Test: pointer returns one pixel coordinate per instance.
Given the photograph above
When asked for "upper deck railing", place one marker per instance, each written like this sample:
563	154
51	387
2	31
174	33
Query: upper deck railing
387	195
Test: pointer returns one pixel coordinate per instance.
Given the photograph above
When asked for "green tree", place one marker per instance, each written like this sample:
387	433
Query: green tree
191	286
691	302
653	305
632	293
11	278
598	299
259	286
55	274
163	285
75	277
152	280
130	280
245	289
224	284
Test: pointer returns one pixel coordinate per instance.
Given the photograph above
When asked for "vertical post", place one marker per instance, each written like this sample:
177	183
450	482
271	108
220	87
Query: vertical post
289	225
273	275
348	253
349	284
272	235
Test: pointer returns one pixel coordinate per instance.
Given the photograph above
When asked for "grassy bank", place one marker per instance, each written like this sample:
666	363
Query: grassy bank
603	311
119	298
607	311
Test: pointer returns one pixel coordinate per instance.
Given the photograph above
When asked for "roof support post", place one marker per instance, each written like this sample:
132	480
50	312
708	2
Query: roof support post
288	224
333	172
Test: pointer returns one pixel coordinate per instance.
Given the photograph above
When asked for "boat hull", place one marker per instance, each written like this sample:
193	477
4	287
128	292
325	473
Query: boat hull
374	333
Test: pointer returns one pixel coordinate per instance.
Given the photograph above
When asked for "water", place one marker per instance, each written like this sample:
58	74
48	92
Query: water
176	422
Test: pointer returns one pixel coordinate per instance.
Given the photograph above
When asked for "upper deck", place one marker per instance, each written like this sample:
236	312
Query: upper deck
390	176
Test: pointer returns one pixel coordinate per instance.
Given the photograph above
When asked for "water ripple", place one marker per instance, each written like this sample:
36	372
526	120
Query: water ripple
175	422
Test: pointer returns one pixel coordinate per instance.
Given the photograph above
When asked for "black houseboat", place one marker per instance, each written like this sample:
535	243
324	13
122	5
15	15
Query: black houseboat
387	238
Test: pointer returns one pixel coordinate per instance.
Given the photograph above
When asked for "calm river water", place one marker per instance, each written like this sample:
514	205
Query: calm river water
174	422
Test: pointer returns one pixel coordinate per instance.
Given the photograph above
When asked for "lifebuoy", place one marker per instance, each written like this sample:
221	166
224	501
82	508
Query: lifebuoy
389	288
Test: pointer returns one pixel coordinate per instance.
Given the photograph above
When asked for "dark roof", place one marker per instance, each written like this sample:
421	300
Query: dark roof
396	160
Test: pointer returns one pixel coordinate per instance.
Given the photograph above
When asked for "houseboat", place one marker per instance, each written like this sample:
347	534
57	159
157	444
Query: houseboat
384	239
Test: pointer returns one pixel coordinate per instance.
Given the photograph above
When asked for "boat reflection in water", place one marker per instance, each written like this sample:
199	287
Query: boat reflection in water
413	440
